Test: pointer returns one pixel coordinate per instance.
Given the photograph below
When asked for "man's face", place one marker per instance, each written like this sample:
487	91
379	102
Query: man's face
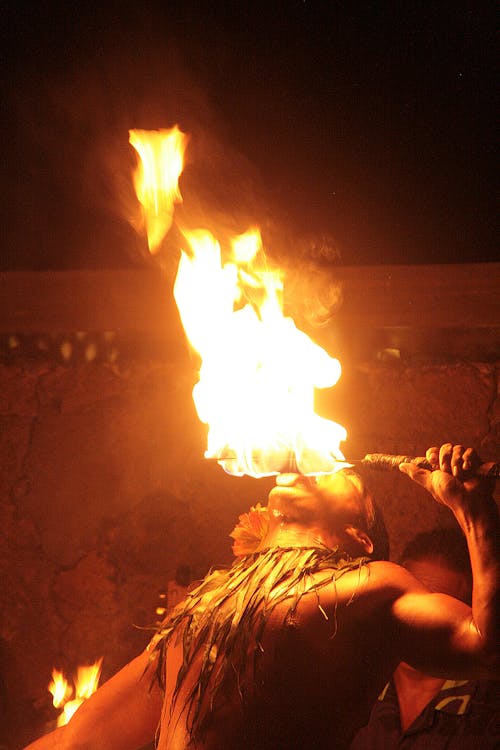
332	500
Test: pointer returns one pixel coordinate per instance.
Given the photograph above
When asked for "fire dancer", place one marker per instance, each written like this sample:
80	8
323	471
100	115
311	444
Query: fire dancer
289	647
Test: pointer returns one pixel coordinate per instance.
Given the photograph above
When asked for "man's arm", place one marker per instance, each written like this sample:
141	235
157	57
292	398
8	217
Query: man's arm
437	632
122	715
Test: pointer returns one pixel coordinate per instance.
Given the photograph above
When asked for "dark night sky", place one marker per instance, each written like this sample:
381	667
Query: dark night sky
371	123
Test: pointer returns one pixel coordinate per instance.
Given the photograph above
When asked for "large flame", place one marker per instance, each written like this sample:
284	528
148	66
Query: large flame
258	371
69	698
156	179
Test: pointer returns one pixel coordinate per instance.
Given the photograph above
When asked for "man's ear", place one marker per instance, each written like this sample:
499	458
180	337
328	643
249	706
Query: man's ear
361	538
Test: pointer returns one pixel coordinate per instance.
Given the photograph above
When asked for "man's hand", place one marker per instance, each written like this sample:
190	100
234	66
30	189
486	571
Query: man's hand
453	480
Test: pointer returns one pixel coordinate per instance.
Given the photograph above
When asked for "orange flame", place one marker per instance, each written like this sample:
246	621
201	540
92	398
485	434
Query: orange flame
156	179
258	372
60	689
69	699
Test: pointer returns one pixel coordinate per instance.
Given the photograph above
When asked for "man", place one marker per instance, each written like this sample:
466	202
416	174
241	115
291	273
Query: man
289	648
415	710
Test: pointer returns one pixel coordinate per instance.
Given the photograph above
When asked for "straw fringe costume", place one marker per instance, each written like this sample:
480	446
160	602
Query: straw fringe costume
222	621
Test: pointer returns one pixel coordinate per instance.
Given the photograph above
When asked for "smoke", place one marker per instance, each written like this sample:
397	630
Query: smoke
73	94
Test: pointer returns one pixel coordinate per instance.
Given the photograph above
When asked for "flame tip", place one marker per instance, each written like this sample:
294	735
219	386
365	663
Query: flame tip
156	179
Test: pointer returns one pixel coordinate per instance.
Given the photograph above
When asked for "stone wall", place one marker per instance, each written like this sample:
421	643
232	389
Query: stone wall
104	493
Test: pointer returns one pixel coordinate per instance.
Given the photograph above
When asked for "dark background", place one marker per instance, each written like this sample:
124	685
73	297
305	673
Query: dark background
370	124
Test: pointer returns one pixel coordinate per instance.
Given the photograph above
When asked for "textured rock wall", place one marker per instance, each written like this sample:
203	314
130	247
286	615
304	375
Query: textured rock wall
104	493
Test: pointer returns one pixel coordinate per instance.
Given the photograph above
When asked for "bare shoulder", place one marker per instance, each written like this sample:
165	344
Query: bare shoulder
374	587
389	576
383	570
386	582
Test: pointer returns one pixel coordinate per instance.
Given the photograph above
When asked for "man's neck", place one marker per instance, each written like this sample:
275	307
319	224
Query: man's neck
294	535
414	690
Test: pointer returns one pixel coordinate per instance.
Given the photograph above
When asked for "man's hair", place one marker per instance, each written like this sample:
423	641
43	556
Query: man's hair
378	534
447	543
370	518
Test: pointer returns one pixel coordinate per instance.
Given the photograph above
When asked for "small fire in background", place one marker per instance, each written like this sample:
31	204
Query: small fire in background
259	372
69	697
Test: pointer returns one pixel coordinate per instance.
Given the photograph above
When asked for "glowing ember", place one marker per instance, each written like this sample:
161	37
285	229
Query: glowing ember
258	372
66	697
156	179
